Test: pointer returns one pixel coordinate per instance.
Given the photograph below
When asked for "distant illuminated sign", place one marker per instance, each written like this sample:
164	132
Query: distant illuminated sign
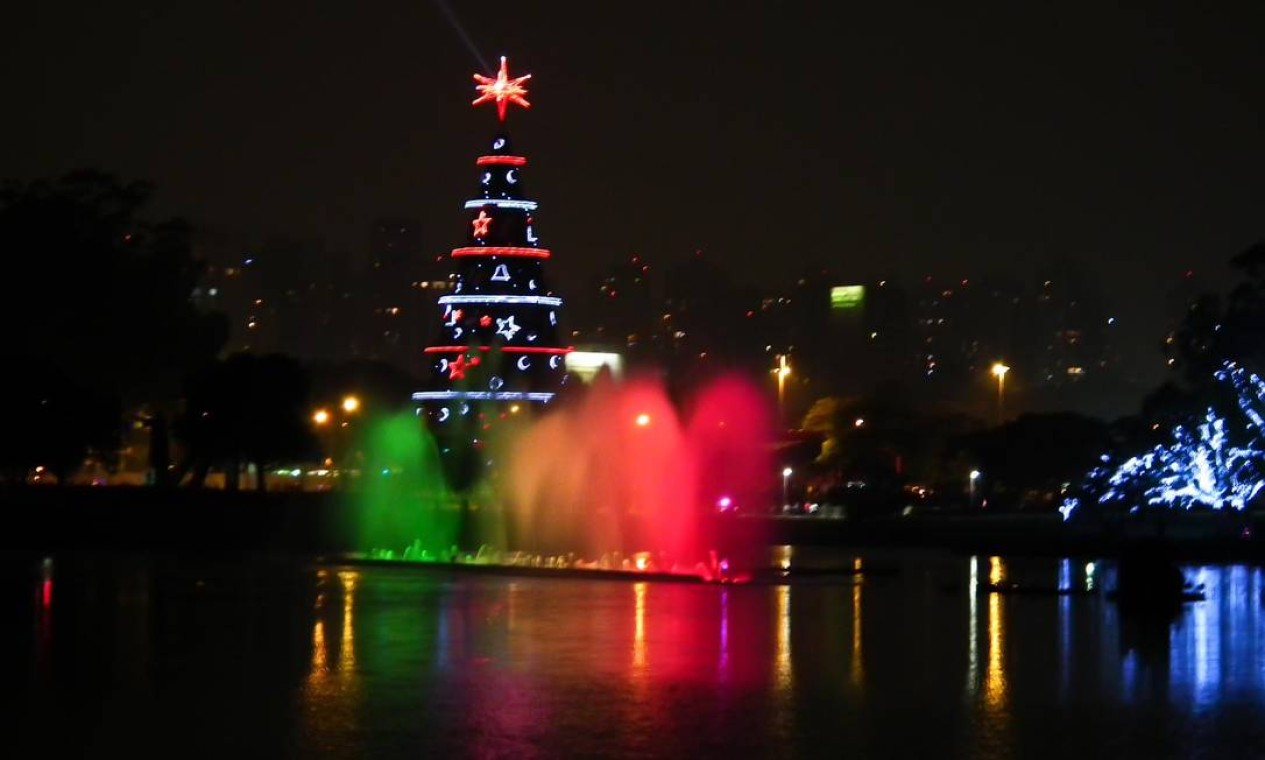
586	364
847	296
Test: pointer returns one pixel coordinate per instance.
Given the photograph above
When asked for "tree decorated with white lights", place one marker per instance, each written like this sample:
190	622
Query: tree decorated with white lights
1215	462
498	343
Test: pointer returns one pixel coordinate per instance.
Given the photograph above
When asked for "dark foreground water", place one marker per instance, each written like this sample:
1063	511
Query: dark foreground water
188	658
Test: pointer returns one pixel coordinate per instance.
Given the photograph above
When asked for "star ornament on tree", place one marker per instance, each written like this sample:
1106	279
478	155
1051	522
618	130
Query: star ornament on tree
457	367
502	90
507	327
481	224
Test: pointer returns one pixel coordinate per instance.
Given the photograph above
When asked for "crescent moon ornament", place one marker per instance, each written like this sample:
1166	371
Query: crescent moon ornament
498	143
523	362
553	361
487	177
443	367
444	413
509	176
531	284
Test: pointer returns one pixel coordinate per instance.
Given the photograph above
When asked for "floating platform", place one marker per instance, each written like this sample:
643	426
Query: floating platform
764	576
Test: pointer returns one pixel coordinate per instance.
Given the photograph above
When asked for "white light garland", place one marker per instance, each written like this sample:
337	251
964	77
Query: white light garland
482	396
533	300
501	203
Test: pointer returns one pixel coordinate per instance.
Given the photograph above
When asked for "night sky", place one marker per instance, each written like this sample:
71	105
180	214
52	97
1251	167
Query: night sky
882	138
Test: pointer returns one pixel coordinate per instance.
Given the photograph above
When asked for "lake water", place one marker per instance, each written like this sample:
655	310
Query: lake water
184	657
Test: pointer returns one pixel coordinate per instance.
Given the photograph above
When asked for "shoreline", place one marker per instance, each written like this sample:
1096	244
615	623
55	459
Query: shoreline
54	518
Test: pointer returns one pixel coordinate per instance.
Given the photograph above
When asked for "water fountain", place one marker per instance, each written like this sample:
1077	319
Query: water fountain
401	506
614	481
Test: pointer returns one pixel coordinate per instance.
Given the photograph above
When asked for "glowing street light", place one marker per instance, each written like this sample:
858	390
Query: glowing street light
351	404
786	477
320	416
999	371
781	372
970	487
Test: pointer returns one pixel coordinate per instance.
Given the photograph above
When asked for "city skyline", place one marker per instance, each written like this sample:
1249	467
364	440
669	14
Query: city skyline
934	334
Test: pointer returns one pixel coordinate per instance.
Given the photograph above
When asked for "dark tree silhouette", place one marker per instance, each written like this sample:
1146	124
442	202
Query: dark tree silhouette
1216	329
1037	452
887	440
95	312
52	421
382	388
246	409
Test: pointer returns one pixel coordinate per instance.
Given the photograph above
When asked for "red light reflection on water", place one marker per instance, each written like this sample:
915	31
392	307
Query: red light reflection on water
679	634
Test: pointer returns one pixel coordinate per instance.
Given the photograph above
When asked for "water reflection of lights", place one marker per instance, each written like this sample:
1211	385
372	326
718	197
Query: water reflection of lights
44	641
782	557
319	653
972	633
332	692
46	583
1065	625
783	655
511	607
1207	630
995	679
1214	647
347	650
857	671
639	629
724	632
320	649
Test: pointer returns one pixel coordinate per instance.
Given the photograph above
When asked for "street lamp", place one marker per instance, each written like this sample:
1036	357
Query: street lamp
970	487
351	404
786	477
782	371
1000	370
320	416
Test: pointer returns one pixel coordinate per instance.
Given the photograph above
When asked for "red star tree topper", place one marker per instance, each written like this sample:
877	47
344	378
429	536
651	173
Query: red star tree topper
502	89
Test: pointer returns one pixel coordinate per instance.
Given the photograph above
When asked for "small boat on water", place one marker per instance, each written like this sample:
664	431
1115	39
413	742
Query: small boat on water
1148	581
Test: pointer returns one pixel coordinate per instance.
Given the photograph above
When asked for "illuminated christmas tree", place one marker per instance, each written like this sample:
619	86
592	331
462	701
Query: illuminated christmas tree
1217	462
498	348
